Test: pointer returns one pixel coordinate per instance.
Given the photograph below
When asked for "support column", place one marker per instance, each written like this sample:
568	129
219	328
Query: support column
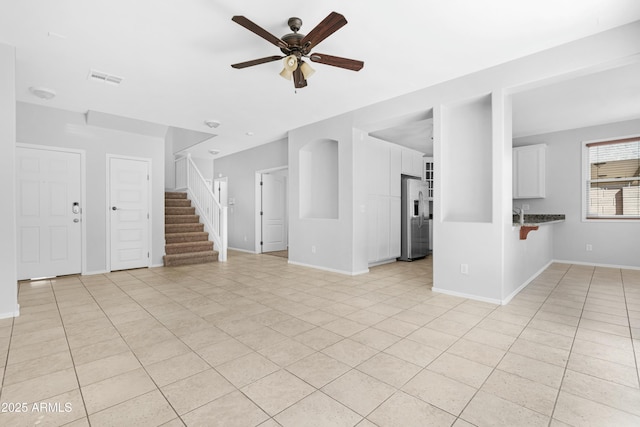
8	261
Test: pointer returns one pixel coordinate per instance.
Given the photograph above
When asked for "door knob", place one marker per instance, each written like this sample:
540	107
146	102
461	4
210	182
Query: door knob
76	220
114	208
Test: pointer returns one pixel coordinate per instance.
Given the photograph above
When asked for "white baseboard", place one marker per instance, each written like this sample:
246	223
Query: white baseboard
468	296
156	265
242	250
10	314
386	261
595	264
332	270
506	300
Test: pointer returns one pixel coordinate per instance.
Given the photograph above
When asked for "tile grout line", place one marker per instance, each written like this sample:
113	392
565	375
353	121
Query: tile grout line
6	361
507	351
626	304
566	367
66	337
132	352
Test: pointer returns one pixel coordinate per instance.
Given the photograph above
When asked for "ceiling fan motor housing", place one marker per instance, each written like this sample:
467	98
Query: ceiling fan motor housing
293	40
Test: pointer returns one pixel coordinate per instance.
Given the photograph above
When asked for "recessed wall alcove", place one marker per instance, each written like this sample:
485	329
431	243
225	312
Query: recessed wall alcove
319	179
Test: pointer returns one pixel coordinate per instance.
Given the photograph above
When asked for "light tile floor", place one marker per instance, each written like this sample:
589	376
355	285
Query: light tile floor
256	341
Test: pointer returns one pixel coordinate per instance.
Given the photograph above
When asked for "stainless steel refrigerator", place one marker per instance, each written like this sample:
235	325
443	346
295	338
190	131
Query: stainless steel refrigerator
415	219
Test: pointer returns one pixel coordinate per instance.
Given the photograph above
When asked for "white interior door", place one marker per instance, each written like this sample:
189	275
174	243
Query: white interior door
274	211
129	213
48	213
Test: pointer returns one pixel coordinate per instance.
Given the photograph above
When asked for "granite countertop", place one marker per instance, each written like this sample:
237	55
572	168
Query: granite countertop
538	219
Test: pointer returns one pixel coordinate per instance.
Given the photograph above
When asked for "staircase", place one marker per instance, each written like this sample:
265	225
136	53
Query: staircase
186	242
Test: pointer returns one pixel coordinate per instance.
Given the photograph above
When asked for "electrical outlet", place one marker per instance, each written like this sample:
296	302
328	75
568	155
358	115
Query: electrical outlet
313	249
464	268
525	207
589	247
245	238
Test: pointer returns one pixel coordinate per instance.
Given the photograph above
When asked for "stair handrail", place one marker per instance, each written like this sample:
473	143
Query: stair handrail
213	214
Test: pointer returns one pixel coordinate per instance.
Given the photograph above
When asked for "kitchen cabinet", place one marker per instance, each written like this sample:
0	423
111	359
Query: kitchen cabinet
412	162
428	175
529	171
383	228
395	170
384	167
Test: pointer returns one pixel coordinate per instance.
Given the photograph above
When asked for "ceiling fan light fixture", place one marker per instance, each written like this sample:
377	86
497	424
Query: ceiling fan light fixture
290	65
306	69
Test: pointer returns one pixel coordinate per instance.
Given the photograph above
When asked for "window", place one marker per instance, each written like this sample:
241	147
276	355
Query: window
612	179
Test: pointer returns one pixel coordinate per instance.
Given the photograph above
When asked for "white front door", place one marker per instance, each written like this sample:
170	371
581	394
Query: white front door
49	229
274	210
128	213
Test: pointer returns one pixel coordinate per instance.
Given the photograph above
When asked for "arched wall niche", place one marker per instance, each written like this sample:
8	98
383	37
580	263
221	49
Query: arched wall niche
319	179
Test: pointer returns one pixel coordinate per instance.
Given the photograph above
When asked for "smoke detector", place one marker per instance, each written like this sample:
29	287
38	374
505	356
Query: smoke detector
214	152
212	123
42	92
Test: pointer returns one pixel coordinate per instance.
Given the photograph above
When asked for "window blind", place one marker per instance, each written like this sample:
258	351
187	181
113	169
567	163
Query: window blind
613	182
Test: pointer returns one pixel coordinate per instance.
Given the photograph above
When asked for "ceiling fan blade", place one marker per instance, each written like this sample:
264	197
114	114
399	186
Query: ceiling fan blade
256	61
298	79
336	61
255	28
332	23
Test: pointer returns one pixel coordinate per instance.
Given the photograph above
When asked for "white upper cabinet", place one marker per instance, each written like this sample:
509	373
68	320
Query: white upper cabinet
412	162
529	171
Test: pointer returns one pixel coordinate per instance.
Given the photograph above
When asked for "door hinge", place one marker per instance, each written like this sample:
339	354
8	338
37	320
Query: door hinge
147	254
261	243
260	182
147	177
261	213
147	215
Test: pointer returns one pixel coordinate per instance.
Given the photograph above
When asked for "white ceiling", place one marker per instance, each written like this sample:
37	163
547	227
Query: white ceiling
175	56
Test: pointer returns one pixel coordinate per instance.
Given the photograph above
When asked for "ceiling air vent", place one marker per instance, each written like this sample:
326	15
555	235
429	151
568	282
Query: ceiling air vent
100	76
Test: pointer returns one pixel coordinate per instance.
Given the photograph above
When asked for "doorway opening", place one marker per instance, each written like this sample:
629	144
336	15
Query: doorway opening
272	212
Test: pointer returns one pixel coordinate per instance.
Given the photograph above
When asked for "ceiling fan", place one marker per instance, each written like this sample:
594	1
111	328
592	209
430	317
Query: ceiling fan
296	46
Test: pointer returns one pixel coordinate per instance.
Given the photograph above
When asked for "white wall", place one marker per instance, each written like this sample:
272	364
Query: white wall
525	259
59	128
240	168
614	243
169	163
466	151
318	179
8	278
331	238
